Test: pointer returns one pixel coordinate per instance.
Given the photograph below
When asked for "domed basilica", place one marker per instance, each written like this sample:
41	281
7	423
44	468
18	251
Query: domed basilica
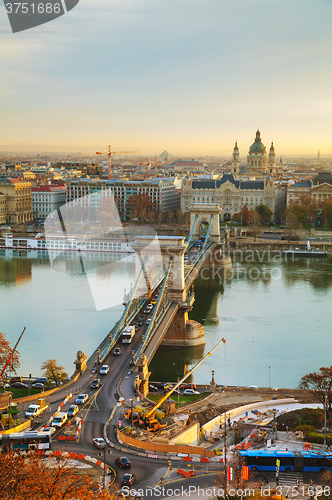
259	164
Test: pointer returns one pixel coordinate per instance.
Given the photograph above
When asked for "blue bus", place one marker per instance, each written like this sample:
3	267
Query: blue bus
25	441
290	461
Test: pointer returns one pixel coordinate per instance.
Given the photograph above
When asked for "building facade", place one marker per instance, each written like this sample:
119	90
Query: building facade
319	189
19	200
162	194
46	199
229	193
3	208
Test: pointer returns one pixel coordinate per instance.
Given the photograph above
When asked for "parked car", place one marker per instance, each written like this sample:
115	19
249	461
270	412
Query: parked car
72	411
154	301
146	311
104	370
152	388
99	442
96	383
148	321
123	462
19	385
37	385
128	479
117	351
190	392
188	386
81	399
42	380
149	306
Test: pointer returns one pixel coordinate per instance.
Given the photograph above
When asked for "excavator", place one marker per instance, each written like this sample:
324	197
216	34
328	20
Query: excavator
149	418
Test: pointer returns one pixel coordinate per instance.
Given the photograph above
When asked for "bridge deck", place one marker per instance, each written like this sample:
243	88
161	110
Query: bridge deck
160	332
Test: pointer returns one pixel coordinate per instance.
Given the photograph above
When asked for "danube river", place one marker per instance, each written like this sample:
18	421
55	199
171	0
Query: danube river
272	313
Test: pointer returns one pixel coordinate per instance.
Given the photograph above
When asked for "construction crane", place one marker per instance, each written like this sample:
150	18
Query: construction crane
149	418
11	354
109	154
147	163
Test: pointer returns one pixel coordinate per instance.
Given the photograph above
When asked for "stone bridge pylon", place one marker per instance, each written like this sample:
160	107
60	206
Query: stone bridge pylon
205	215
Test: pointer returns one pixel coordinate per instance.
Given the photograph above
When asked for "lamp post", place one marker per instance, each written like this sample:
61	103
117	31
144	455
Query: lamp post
325	403
100	454
131	415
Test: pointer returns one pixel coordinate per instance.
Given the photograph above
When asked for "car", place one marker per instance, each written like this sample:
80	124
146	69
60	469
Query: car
252	387
19	385
190	392
149	306
99	442
117	351
59	419
51	430
37	385
73	409
96	383
81	399
154	301
104	370
146	311
123	462
152	388
167	389
128	479
148	321
140	322
41	380
141	316
189	386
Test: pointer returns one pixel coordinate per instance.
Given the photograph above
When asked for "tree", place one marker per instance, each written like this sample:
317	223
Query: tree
53	371
31	478
291	222
5	351
254	222
245	215
327	212
140	205
265	213
319	384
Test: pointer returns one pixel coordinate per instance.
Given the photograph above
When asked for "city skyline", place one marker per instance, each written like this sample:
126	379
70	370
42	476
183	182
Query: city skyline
188	77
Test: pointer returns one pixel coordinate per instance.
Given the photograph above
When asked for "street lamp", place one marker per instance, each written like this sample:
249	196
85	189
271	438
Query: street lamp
131	415
100	454
325	404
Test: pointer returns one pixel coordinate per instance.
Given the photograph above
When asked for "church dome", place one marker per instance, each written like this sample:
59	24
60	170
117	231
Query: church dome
257	146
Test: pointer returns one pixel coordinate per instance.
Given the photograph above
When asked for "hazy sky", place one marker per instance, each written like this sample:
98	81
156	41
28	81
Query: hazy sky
189	76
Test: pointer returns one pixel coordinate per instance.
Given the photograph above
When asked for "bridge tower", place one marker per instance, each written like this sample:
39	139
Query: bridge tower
201	214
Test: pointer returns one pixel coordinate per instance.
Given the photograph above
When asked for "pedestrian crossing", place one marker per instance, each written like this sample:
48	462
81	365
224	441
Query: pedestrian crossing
289	478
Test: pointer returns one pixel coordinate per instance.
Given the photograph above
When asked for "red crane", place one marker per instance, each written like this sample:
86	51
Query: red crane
109	154
147	163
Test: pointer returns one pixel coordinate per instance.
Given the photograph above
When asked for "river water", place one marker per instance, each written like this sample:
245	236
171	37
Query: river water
272	313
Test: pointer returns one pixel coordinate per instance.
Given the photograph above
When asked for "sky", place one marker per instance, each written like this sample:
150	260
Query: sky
188	76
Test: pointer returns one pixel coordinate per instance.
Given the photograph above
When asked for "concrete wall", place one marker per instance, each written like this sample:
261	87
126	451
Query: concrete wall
165	448
213	425
190	435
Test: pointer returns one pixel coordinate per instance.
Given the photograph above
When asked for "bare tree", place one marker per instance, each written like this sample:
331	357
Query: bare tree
319	384
255	223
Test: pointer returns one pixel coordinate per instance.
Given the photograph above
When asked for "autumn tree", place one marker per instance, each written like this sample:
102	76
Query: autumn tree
54	372
245	215
327	212
319	384
32	478
254	223
265	213
5	352
140	205
301	212
291	222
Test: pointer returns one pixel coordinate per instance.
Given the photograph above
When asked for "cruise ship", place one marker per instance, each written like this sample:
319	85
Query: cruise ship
64	243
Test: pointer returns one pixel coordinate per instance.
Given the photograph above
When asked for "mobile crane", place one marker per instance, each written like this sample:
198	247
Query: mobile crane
149	418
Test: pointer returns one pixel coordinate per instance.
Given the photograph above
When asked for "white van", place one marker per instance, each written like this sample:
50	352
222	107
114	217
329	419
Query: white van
59	419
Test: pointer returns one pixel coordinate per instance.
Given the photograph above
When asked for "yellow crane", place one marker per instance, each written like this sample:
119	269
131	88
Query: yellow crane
109	154
149	418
